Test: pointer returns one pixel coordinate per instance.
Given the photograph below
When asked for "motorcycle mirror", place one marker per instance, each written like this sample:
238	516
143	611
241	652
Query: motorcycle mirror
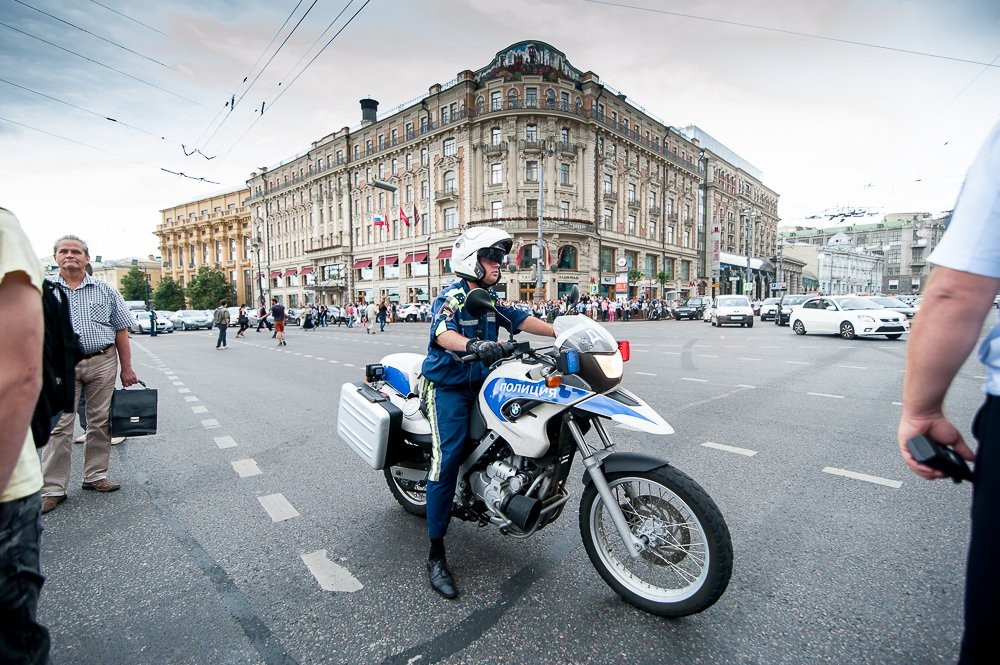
479	302
573	297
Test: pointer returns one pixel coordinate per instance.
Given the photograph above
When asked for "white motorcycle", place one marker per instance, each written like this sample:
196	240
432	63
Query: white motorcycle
653	534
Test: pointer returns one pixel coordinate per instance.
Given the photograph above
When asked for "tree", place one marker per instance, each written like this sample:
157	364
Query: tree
134	285
208	287
634	275
663	277
169	295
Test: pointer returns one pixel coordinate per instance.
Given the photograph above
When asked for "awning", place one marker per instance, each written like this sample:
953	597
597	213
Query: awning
444	254
387	261
306	271
415	257
740	261
291	271
362	263
259	275
275	273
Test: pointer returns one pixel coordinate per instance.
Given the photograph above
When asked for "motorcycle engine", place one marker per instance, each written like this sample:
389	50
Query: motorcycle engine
497	484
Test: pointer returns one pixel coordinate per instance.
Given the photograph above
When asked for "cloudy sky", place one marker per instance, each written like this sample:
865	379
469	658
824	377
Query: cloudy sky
878	103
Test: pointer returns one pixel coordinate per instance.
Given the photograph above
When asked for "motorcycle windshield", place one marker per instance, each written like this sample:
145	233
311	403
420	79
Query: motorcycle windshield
582	334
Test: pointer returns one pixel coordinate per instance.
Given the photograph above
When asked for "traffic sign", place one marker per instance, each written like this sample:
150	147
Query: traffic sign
593	289
779	286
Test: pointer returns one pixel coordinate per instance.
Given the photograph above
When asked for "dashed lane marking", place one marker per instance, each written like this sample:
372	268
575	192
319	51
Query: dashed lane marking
895	484
199	409
826	395
645	373
225	441
331	576
191	398
706	355
687	378
246	468
852	367
183	390
897	404
749	358
730	449
178	383
797	362
211	423
318	358
744	385
278	507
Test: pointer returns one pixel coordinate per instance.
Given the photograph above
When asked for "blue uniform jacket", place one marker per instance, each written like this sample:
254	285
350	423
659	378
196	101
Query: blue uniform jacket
448	313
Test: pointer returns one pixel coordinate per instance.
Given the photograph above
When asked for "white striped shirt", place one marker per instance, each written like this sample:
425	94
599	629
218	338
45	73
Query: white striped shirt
98	312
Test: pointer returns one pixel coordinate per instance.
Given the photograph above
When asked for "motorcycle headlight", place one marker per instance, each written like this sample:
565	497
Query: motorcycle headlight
611	365
601	371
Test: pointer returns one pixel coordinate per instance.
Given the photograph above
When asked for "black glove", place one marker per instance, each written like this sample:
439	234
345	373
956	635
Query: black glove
488	352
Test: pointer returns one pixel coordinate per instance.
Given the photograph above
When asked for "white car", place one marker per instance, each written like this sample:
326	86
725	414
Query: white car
140	323
847	316
734	310
769	309
408	312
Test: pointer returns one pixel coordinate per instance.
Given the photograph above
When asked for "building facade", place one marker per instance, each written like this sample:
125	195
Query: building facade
526	142
215	232
902	242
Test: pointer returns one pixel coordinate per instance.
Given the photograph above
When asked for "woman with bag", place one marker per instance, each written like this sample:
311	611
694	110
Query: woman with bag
243	320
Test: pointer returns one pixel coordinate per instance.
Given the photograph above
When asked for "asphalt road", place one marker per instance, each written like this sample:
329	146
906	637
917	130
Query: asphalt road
247	532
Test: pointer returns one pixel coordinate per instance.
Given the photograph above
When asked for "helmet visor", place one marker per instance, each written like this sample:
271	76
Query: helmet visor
494	254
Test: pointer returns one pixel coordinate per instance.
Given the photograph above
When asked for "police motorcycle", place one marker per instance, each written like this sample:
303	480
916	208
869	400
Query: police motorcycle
653	534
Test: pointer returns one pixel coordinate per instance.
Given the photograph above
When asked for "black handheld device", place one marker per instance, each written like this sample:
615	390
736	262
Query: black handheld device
943	458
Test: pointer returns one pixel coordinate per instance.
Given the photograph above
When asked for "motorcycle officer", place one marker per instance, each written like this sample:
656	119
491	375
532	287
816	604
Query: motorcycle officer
451	388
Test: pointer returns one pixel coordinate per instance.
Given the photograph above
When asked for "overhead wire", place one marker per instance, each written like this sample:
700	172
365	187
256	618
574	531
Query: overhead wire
792	32
123	15
296	78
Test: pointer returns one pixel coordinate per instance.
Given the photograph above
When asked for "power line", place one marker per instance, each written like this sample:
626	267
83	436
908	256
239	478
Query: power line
134	78
791	32
302	71
103	39
112	9
58	136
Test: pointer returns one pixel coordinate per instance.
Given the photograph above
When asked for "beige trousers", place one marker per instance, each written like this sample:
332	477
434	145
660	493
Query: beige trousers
97	375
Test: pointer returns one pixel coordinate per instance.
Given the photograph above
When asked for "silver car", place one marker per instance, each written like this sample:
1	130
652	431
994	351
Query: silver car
191	319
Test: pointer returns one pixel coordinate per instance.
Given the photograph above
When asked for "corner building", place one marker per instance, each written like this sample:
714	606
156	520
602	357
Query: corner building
526	137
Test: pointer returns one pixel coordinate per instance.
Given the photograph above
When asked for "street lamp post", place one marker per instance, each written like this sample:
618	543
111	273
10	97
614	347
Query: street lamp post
541	217
260	274
748	214
781	264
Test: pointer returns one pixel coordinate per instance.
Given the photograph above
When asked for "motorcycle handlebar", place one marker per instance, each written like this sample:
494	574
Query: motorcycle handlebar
509	349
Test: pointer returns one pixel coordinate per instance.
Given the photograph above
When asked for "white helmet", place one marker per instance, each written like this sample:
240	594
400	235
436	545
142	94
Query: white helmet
476	242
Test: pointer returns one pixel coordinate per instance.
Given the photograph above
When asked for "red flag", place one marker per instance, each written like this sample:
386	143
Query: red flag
416	215
403	217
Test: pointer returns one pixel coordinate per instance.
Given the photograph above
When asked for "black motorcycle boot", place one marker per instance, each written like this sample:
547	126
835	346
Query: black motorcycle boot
441	579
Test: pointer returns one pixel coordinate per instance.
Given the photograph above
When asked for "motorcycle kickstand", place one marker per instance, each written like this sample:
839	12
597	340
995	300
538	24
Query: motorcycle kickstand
633	544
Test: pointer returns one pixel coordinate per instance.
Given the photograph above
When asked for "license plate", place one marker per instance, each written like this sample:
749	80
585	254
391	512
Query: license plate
736	317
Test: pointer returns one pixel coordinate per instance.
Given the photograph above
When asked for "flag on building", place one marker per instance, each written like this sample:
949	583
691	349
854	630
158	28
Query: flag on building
416	215
403	217
378	220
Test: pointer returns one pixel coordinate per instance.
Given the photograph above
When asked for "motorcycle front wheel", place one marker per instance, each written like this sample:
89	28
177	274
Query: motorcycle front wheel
688	559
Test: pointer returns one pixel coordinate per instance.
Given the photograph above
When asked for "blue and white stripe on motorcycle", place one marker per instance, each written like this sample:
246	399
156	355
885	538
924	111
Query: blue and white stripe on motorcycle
498	392
641	417
397	379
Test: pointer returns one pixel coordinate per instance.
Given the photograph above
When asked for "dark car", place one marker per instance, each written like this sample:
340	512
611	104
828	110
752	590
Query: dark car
786	304
894	304
692	308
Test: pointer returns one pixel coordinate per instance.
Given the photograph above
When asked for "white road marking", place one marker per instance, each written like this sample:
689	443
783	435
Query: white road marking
671	353
278	507
191	398
178	383
318	358
308	356
730	449
796	362
826	395
246	468
183	390
895	484
334	361
769	347
685	378
641	350
225	441
331	576
645	373
348	365
199	409
706	355
744	385
298	354
749	358
852	366
211	423
897	404
733	347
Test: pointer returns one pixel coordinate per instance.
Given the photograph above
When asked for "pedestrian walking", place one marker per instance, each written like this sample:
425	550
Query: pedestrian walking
221	321
244	320
262	318
383	312
371	311
278	312
22	638
152	321
101	319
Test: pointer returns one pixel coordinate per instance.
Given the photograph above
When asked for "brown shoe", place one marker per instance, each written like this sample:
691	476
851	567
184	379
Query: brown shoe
102	485
50	502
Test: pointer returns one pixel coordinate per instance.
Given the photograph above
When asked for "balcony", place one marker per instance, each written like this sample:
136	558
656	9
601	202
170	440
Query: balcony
633	203
446	194
610	196
654	210
566	148
918	262
531	146
672	216
495	148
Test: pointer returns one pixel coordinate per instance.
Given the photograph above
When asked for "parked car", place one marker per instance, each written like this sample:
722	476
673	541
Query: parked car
895	304
336	314
692	308
732	310
140	323
787	303
847	316
769	309
409	312
191	319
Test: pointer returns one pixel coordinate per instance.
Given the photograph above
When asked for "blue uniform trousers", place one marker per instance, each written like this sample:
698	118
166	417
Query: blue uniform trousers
448	410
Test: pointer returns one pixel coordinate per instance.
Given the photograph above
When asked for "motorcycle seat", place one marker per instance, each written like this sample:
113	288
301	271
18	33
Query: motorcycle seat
402	372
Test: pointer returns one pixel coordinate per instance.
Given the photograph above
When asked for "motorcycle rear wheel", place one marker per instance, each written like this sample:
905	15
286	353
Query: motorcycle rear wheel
410	495
689	559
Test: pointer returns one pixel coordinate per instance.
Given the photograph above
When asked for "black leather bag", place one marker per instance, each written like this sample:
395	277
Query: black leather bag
133	412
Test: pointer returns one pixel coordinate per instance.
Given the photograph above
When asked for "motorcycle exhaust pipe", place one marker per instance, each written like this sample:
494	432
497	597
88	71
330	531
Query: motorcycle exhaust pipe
523	511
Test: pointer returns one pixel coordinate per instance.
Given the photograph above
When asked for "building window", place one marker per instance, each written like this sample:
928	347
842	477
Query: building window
685	271
550	98
631	225
381	142
564	174
497	209
424	190
564	101
530	97
408	161
531	171
531	133
449	147
606	183
381	170
495	100
444	115
687	239
631	192
512	99
567	258
564	134
408	130
606	219
449	181
495	136
424	159
409	193
650	265
564	209
607	259
531	207
496	173
450	219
